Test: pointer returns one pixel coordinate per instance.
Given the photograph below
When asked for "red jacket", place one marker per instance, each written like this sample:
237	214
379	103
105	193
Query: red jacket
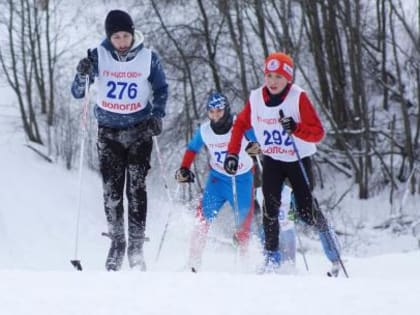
309	128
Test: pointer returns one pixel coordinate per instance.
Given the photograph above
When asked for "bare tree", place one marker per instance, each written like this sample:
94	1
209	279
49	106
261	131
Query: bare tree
358	60
28	59
18	66
233	11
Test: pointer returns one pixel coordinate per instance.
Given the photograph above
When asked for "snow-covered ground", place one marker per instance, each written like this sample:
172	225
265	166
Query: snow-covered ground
38	205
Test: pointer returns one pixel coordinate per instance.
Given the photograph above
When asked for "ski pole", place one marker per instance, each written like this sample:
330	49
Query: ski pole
235	201
257	157
315	205
301	249
165	229
76	261
302	252
235	211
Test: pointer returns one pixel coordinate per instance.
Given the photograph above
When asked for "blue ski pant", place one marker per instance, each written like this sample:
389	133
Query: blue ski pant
218	190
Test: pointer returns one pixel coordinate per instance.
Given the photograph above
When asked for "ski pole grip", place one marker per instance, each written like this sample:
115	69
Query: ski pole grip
89	54
281	117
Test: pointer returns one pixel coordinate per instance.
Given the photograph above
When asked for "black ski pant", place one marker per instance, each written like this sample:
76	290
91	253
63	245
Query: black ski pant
274	174
124	159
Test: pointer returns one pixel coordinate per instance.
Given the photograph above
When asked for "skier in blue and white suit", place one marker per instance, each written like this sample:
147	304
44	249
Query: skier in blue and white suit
215	135
131	101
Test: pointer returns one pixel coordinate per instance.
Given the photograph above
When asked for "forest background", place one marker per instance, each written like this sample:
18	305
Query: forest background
359	61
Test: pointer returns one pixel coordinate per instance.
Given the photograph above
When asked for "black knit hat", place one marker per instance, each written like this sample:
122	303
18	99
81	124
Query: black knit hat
117	21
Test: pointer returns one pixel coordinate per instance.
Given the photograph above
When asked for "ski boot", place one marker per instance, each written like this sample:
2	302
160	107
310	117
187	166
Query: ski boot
137	262
272	262
135	254
194	263
116	254
335	269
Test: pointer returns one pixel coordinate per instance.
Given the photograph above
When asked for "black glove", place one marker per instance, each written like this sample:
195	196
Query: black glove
288	124
85	66
253	148
231	163
184	175
154	125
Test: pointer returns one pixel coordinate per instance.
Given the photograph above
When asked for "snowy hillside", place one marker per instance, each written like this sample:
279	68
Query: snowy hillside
38	202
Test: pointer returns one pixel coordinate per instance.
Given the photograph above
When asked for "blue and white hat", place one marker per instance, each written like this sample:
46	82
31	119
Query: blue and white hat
217	100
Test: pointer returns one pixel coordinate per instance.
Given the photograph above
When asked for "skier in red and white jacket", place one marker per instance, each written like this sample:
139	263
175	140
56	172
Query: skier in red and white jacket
275	111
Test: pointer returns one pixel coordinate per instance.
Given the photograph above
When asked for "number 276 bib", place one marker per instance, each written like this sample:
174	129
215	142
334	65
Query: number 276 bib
123	86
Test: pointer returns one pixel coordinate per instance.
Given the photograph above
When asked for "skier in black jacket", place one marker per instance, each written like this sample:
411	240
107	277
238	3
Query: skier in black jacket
131	101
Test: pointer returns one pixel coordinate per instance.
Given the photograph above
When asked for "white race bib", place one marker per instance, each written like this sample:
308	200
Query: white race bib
273	139
217	146
123	86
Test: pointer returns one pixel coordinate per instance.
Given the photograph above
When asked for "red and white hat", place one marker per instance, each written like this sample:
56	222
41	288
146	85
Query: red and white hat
279	63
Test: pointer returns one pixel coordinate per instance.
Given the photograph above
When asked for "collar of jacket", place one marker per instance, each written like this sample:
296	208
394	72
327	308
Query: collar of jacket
272	100
135	48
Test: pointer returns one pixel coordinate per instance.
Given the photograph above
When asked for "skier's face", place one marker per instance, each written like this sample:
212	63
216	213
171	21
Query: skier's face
121	41
215	114
275	82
